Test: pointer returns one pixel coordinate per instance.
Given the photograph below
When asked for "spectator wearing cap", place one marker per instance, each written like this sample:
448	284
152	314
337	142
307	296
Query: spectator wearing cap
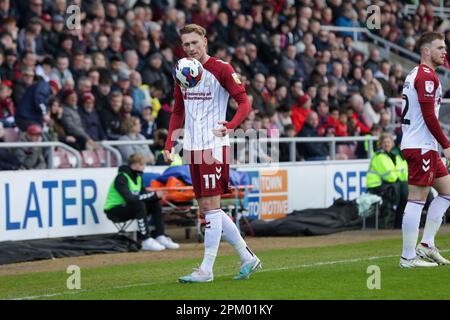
31	157
33	107
8	67
154	72
61	74
51	43
71	121
123	83
300	111
90	118
7	109
46	22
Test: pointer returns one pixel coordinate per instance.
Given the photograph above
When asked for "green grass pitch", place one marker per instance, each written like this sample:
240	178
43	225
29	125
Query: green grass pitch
333	272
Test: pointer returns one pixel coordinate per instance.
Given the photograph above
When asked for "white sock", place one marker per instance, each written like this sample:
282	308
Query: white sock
213	233
434	218
232	235
410	228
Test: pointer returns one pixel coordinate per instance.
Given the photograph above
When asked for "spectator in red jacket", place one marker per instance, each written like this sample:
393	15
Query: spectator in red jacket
300	111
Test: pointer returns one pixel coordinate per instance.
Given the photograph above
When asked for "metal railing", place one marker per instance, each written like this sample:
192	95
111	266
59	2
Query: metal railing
45	144
331	140
109	144
389	46
441	11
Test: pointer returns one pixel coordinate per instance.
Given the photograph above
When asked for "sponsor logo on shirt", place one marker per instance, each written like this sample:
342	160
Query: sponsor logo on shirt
429	86
236	78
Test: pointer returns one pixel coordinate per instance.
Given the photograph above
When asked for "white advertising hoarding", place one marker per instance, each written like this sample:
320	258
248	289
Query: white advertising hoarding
69	202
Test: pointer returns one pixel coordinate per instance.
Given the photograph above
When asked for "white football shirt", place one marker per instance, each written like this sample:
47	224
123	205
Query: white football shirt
421	85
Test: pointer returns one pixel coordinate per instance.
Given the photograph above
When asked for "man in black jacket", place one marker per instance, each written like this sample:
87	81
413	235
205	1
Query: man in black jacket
127	199
316	150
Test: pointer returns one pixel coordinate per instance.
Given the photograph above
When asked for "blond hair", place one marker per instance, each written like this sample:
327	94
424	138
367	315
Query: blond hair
136	158
383	137
193	28
128	124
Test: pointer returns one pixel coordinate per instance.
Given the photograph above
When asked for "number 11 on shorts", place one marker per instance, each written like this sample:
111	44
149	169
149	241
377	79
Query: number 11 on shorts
207	178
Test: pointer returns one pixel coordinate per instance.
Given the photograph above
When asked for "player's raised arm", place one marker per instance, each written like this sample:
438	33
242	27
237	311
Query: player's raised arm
231	82
426	85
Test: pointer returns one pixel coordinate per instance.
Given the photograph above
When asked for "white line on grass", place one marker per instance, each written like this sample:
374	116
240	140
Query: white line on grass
316	264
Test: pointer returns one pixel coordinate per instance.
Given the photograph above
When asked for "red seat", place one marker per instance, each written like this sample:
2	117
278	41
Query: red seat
348	150
89	159
11	135
60	159
101	154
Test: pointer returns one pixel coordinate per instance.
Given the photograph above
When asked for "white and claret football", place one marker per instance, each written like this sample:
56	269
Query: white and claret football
188	72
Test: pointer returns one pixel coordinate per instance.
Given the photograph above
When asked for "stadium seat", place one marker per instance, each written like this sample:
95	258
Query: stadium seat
89	159
101	155
11	135
348	150
60	159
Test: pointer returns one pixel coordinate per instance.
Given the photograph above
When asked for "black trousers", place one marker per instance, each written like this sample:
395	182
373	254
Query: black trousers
140	211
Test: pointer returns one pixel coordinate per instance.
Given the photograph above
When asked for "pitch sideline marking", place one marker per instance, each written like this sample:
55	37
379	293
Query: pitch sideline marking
224	275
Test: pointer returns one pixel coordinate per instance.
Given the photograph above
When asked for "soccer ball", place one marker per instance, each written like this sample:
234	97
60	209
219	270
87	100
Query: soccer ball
188	72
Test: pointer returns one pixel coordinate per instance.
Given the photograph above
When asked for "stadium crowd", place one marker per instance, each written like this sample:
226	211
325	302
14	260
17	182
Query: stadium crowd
110	79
